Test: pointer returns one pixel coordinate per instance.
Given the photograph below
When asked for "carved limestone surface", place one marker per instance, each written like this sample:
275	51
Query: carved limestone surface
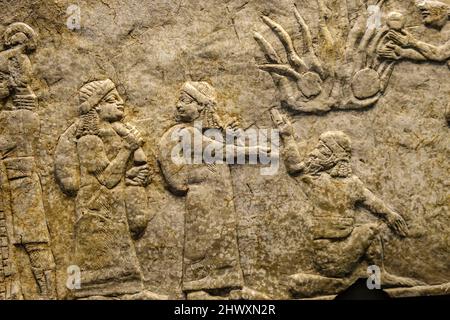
224	150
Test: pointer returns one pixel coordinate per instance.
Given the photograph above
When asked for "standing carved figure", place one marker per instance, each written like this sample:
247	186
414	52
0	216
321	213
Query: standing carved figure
403	45
100	161
19	132
211	262
339	244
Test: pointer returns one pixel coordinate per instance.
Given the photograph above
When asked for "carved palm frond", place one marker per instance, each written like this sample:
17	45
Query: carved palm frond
357	83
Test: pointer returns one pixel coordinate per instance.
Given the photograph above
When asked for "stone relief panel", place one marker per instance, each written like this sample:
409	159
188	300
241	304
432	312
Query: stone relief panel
307	147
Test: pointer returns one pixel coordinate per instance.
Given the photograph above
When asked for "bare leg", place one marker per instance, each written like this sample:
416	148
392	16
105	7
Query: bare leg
43	267
338	259
375	256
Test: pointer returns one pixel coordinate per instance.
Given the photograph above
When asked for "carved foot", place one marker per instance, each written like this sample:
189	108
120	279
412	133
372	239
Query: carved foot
203	295
144	295
248	294
303	285
389	281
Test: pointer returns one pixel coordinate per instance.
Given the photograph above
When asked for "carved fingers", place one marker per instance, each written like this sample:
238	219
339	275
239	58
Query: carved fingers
139	176
389	51
324	16
403	39
307	40
306	33
398	224
232	124
283	124
134	139
282	70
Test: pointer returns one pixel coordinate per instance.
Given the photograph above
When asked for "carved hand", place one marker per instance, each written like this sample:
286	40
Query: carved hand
139	176
403	38
134	139
283	124
398	224
390	51
232	124
129	134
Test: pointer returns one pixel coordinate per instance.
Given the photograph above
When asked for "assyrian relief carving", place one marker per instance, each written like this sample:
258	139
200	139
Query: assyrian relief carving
307	148
403	45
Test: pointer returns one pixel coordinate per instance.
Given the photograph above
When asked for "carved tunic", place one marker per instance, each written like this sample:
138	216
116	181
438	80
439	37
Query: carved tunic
104	249
337	241
334	201
19	129
211	256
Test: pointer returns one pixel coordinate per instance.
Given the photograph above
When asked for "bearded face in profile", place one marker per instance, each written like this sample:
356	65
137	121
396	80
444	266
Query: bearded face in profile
332	154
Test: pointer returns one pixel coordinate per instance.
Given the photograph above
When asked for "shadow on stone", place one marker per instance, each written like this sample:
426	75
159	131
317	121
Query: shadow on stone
359	291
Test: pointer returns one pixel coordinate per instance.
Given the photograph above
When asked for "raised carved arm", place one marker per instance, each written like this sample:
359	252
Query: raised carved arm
290	153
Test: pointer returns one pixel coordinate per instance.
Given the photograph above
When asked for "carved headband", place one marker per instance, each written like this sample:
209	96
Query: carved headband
105	87
340	150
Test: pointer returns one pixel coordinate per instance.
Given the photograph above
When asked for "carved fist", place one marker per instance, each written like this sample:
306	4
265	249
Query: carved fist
134	139
397	224
390	51
139	176
403	39
129	134
284	126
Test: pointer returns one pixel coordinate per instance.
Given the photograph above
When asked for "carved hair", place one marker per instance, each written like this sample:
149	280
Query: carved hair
93	92
89	124
338	164
206	97
90	95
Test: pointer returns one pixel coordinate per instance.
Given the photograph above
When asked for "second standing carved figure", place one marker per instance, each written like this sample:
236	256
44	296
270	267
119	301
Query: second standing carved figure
211	262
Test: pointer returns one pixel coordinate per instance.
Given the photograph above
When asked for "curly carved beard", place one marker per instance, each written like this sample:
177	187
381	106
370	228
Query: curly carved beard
338	167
